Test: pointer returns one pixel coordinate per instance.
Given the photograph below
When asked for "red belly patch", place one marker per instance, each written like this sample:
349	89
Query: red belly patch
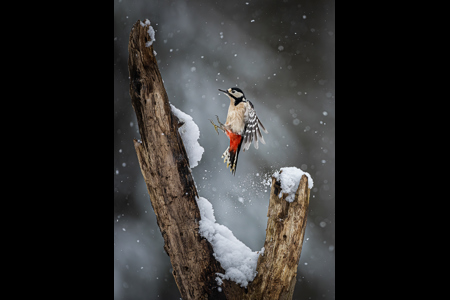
235	140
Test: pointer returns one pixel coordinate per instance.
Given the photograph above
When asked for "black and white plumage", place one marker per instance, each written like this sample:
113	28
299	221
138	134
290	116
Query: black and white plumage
242	126
252	131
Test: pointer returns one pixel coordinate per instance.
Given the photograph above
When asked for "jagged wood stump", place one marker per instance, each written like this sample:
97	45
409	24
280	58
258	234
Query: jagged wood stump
277	269
165	168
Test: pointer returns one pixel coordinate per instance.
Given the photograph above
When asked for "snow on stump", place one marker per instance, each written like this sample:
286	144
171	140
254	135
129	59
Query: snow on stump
238	260
288	208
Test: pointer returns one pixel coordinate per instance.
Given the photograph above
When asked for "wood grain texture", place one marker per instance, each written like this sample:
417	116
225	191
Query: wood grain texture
277	268
165	169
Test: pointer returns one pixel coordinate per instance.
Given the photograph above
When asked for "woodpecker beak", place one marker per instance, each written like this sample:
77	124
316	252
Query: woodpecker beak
226	92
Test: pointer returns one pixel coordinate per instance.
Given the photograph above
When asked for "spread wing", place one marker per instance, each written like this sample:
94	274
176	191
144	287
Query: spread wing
252	130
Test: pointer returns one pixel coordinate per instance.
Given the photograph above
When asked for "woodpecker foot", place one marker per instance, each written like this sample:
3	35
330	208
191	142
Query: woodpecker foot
220	126
218	121
215	126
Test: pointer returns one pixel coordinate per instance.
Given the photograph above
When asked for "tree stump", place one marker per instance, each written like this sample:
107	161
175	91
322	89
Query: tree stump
165	168
277	268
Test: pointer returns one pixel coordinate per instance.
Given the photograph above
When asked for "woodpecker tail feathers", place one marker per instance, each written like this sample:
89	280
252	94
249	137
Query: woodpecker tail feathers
230	157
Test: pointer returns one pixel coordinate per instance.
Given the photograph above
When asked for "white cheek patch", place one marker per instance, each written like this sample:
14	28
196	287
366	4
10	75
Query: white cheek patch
237	94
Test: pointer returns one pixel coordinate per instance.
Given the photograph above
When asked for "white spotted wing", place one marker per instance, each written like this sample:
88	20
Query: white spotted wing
253	126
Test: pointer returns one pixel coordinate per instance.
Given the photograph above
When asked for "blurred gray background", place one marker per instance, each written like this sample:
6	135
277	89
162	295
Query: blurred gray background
282	55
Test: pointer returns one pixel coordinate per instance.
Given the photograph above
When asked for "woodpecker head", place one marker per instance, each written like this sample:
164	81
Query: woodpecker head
235	94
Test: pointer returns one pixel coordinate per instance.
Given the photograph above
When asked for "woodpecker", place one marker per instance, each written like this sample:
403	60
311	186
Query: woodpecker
242	126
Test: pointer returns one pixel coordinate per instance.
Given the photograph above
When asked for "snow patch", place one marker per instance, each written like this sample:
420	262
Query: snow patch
290	179
190	134
238	260
150	31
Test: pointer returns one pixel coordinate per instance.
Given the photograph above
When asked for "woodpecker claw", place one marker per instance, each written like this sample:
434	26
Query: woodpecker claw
215	126
220	126
219	121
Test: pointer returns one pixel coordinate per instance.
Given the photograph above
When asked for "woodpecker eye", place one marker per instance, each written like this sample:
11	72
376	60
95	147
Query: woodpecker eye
236	93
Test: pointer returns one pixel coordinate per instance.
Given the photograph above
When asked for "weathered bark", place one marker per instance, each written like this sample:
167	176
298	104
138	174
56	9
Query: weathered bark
165	168
277	269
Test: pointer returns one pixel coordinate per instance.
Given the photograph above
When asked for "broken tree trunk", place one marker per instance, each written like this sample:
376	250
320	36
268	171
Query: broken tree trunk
277	268
165	168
